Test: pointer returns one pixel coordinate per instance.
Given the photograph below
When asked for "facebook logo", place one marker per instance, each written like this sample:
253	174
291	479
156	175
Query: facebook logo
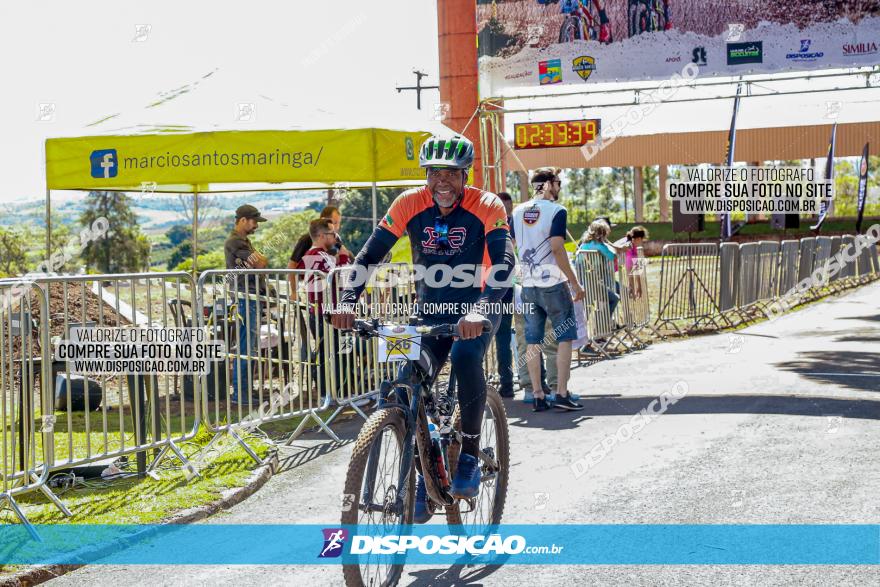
105	164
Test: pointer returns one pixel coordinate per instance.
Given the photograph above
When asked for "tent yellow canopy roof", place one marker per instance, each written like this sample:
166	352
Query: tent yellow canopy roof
196	161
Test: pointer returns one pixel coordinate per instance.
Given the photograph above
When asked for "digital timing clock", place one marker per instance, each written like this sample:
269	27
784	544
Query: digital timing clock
570	133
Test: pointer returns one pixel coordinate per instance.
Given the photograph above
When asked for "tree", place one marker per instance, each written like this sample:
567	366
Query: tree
651	192
357	214
275	239
581	190
13	251
179	233
209	209
622	179
124	248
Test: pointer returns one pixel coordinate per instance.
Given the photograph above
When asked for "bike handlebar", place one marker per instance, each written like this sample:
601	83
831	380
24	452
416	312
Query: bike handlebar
371	328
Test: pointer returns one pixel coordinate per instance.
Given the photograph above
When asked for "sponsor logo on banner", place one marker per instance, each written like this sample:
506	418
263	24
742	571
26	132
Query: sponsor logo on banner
858	49
104	163
740	53
676	59
410	148
520	74
804	54
698	56
550	71
334	541
584	66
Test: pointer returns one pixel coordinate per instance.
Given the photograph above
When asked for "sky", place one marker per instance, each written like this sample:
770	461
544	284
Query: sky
90	59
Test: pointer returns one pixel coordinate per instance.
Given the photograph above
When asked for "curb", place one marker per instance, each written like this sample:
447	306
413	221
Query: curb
41	574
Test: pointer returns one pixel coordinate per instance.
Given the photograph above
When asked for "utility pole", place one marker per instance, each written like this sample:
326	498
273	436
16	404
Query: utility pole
418	87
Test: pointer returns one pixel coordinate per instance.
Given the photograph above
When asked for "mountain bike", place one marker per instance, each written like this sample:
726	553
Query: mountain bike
582	23
646	16
396	441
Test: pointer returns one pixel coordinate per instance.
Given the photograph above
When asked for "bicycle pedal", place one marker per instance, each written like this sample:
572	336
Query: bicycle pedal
472	502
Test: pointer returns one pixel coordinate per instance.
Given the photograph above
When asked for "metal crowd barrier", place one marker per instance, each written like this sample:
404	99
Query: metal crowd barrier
274	368
729	286
823	255
634	309
808	248
689	285
26	416
768	273
596	275
789	252
129	414
749	276
357	373
834	279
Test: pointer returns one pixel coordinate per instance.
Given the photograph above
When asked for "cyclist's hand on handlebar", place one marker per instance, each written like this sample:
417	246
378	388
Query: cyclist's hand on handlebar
471	326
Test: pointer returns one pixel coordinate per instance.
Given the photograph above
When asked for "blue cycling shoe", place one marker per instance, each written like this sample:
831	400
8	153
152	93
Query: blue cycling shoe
422	512
466	483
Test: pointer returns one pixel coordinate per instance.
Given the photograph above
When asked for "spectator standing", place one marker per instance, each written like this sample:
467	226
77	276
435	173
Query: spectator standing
241	255
342	255
549	377
635	238
540	228
595	238
503	350
320	258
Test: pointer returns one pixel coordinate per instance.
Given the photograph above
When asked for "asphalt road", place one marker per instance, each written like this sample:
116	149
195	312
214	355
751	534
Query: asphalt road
780	425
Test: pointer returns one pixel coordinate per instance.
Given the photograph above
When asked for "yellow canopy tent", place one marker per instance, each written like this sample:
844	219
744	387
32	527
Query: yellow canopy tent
185	141
234	161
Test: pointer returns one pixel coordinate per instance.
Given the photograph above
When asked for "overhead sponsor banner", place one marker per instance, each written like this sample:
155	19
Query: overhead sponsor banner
526	43
325	156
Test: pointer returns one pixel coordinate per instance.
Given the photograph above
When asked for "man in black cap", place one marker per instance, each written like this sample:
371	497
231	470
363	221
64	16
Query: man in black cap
241	256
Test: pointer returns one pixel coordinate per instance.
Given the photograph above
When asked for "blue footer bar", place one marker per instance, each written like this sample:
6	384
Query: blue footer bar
441	544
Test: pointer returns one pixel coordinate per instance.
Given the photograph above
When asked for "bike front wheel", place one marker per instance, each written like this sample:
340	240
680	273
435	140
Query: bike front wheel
371	488
478	514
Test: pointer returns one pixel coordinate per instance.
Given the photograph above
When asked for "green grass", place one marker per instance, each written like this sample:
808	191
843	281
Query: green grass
136	500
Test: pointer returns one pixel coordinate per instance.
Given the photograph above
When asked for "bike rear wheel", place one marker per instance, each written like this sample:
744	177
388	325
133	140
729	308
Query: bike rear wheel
487	508
375	465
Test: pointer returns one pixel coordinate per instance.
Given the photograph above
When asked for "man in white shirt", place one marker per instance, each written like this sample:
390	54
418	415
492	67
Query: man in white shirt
550	287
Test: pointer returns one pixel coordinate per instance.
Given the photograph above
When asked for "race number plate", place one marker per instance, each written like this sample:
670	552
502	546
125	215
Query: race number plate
398	343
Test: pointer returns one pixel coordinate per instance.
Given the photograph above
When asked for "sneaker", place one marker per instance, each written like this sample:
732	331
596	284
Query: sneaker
528	397
566	403
422	512
541	405
466	483
551	397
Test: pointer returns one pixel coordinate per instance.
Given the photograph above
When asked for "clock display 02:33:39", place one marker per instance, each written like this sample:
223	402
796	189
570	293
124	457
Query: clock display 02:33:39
569	133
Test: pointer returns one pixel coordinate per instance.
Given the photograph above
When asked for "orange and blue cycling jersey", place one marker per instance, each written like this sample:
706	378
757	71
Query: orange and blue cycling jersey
474	235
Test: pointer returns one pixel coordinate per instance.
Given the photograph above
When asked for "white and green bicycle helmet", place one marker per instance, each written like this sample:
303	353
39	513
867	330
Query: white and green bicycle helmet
455	152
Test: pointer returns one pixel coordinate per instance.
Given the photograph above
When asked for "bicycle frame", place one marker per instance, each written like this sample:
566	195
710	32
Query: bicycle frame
409	395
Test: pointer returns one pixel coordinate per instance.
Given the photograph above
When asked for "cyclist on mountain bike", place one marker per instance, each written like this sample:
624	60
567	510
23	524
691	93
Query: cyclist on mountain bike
449	224
640	21
582	8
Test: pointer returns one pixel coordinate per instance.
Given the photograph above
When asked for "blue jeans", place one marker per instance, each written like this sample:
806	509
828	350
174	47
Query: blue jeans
613	298
248	313
552	303
504	353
